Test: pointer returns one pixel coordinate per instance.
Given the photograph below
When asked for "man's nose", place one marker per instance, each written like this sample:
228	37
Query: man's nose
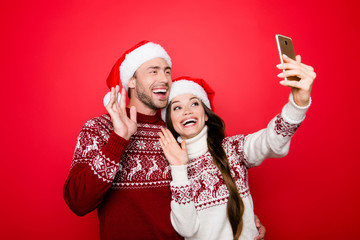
162	77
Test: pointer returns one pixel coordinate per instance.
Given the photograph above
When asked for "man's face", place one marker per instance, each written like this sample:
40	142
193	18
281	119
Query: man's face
152	83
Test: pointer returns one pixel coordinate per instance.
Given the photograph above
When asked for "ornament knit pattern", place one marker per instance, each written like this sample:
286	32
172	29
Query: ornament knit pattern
181	194
283	128
146	166
207	188
142	166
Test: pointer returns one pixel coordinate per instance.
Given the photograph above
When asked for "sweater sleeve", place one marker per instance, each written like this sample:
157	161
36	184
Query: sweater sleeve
274	141
184	217
93	169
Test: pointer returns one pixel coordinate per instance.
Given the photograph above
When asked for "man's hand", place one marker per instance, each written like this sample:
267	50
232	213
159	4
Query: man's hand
260	228
301	89
175	154
123	125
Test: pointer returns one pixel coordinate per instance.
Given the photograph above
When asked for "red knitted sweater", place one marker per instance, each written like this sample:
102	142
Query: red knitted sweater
126	181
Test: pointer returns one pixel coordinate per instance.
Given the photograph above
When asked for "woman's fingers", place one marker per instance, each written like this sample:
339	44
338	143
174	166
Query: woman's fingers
166	135
162	137
170	136
161	142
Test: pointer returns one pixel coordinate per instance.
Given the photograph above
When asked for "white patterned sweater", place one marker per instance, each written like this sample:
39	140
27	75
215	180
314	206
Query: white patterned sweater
199	195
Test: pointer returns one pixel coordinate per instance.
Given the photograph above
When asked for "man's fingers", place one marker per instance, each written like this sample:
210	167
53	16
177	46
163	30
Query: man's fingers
133	114
122	99
111	101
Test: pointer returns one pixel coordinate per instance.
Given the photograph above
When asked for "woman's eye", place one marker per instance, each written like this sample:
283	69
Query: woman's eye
195	104
176	108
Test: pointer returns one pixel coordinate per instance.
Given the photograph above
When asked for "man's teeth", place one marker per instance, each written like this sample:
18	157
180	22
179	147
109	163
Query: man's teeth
189	121
160	91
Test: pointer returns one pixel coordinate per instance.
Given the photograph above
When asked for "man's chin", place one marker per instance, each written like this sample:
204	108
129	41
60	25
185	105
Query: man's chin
161	104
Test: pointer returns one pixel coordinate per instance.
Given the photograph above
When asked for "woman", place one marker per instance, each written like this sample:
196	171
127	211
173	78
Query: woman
210	193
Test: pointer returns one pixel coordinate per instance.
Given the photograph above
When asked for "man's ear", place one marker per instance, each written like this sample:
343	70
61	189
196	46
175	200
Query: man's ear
132	82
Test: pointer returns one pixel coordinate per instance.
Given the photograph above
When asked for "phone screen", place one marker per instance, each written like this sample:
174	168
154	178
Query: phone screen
285	46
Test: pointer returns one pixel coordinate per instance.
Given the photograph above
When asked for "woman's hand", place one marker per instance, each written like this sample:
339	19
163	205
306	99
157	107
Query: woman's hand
301	89
175	154
123	125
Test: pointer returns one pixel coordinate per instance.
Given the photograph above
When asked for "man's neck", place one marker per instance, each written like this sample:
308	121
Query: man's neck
142	108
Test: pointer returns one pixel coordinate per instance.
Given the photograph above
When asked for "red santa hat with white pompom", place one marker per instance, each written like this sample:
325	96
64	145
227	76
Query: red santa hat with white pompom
189	85
130	61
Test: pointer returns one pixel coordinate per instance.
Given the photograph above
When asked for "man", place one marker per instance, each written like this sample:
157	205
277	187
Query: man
118	166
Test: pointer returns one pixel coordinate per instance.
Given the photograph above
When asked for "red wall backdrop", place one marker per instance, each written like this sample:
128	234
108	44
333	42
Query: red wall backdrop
56	55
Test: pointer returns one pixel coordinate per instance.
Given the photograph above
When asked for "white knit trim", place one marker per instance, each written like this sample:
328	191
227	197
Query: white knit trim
137	57
182	87
197	145
292	113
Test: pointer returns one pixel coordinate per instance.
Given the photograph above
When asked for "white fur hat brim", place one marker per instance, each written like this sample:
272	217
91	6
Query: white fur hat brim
182	87
137	57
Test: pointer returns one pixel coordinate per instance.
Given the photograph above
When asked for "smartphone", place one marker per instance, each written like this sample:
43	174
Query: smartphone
285	46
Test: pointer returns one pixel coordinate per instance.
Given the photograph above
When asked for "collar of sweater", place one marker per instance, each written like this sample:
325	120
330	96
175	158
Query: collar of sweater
142	118
197	145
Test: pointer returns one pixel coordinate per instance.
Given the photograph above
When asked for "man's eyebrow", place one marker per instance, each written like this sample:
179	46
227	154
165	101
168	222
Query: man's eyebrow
158	67
153	67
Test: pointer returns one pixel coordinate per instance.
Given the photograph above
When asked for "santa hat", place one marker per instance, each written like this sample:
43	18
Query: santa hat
188	85
130	61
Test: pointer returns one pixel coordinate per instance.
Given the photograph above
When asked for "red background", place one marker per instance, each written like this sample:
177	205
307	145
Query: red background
56	55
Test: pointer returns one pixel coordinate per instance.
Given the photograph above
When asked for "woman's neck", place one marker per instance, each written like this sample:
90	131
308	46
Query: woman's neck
197	145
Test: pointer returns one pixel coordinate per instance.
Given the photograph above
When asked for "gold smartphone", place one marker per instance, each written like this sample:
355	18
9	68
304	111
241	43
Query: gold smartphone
285	46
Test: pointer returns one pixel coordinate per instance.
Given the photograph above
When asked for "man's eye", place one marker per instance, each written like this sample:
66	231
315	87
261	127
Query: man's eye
168	72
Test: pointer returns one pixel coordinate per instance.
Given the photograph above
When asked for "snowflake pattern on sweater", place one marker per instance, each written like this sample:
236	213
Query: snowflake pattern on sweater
283	128
207	187
142	166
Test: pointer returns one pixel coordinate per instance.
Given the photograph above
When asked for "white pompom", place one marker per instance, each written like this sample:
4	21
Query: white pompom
106	99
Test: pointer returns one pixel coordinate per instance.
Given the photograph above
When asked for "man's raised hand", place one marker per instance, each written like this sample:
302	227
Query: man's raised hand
123	125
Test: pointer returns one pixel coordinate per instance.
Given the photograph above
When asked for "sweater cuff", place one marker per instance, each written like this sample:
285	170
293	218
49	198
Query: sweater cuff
115	146
179	173
292	113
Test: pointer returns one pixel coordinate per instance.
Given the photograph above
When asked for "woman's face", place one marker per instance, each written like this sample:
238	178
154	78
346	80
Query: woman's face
187	115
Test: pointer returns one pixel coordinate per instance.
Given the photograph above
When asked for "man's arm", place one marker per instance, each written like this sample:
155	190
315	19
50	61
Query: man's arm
94	166
97	156
260	228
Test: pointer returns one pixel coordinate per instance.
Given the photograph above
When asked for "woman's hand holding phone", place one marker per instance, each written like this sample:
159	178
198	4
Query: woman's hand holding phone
300	77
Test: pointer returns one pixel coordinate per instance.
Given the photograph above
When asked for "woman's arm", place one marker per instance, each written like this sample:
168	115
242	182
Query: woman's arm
183	215
274	141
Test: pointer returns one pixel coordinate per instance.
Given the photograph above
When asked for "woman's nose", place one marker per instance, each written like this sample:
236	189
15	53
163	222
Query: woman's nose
187	111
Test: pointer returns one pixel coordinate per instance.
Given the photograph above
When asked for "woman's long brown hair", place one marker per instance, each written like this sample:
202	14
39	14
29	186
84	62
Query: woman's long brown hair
216	134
